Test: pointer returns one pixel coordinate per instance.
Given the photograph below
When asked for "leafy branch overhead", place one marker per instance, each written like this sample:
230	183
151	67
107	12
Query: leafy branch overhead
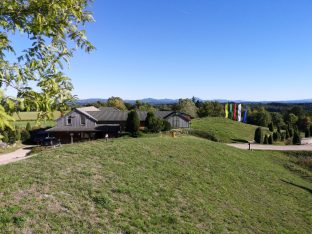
54	29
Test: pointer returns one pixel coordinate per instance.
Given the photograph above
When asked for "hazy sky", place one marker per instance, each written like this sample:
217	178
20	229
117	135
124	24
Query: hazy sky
232	49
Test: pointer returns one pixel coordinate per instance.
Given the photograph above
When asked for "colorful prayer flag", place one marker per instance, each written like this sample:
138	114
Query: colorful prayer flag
234	115
239	114
227	110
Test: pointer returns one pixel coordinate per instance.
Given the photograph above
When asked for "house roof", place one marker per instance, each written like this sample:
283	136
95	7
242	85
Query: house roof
108	109
88	108
123	115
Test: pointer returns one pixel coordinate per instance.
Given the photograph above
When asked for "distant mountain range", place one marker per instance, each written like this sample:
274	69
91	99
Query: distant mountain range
154	101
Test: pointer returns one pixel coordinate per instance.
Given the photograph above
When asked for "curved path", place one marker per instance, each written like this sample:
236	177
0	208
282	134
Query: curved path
274	147
17	155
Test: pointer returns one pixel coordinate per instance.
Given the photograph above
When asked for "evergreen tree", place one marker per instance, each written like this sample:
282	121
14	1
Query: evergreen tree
133	123
28	127
275	138
307	133
270	140
259	135
297	138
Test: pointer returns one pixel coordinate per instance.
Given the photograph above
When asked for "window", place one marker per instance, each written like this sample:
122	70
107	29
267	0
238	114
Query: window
82	120
69	120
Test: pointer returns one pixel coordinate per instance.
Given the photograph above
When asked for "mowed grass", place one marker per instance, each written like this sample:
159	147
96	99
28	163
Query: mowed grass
22	118
225	130
27	116
154	185
34	123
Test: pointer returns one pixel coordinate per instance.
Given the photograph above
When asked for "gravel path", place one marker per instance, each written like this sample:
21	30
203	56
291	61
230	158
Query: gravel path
274	147
17	155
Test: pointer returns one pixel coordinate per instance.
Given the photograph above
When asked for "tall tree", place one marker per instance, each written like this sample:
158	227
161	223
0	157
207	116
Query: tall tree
116	102
187	106
53	29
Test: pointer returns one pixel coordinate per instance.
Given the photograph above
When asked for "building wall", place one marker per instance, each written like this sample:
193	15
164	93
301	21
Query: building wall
177	122
61	122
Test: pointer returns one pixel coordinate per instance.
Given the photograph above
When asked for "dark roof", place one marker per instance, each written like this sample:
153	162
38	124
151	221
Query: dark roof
123	115
109	109
98	128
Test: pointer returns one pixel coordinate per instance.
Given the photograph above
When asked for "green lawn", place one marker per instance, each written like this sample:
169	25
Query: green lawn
155	185
22	118
26	116
225	130
33	123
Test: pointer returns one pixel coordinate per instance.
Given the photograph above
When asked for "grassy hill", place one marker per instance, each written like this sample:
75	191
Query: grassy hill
155	185
22	118
225	130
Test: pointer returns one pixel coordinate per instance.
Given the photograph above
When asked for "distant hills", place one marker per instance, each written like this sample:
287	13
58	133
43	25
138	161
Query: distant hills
154	101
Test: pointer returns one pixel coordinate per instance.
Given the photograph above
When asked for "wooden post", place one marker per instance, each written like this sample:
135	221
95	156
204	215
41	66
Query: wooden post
249	146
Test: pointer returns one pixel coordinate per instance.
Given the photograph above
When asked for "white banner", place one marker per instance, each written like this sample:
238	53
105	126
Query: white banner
239	113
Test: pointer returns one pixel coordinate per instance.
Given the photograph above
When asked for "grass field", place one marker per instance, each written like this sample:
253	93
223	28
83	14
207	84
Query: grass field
26	116
155	185
33	123
225	130
22	118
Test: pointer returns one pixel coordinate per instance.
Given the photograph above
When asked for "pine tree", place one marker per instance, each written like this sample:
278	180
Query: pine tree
133	123
259	135
307	133
28	127
297	138
270	140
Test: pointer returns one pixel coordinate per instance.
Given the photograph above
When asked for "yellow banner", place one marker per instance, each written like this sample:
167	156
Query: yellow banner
227	110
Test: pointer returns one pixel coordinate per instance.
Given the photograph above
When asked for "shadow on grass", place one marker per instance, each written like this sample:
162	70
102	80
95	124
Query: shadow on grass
239	140
298	186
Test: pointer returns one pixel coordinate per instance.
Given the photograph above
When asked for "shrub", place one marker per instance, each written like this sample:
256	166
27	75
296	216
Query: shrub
17	135
5	137
133	123
297	138
25	135
266	140
270	140
271	127
307	133
259	135
152	123
166	125
275	136
28	127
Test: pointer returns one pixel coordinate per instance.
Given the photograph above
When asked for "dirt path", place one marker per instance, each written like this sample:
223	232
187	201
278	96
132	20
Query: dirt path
274	147
17	155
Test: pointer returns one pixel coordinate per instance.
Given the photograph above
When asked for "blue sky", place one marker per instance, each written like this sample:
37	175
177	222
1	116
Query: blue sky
232	49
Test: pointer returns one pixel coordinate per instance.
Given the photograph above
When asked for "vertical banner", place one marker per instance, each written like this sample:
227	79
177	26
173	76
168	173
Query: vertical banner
239	113
246	115
234	115
231	111
227	110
